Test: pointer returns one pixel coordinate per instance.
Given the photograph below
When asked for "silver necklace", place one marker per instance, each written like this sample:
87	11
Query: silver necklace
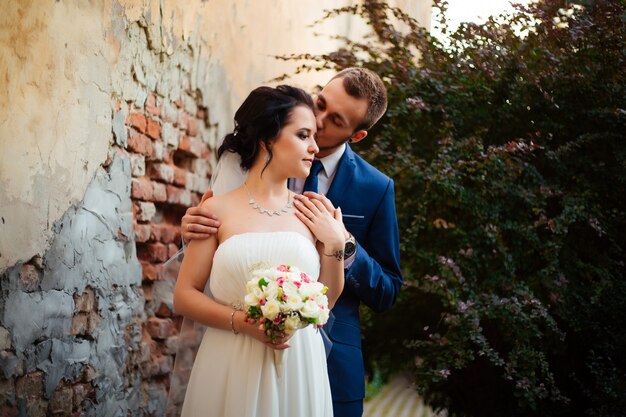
263	210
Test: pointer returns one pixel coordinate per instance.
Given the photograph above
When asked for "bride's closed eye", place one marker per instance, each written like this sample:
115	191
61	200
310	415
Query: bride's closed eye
305	134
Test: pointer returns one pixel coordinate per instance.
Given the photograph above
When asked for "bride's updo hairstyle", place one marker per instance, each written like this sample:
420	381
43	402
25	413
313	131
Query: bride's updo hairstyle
260	118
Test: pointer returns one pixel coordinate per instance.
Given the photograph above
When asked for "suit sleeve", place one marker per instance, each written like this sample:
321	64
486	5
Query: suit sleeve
375	275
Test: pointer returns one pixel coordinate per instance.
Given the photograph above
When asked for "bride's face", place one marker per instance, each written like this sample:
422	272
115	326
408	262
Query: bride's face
295	147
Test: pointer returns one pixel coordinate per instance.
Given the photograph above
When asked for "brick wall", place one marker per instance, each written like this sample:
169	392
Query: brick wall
169	159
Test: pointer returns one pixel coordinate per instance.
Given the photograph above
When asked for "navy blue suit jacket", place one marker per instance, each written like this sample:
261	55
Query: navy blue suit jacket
366	198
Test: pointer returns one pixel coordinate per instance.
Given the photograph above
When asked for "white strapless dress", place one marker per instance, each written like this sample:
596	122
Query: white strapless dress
235	375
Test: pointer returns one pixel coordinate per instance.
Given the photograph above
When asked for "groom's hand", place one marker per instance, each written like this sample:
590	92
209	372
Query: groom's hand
198	223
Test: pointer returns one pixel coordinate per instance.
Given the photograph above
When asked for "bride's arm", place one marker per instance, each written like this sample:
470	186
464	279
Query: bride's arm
331	270
328	228
189	297
191	301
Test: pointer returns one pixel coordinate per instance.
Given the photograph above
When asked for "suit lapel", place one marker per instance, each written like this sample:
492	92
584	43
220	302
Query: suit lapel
343	178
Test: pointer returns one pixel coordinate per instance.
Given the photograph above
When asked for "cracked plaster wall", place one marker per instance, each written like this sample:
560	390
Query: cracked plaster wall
54	117
91	249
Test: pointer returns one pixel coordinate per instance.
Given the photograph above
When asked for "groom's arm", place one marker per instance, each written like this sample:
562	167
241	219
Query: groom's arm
199	223
374	275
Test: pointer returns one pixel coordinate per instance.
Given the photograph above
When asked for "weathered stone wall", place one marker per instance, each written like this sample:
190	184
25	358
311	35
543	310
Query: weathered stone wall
109	113
72	320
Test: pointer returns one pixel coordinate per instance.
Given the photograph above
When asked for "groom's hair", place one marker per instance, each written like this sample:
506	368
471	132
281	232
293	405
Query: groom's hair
260	119
363	83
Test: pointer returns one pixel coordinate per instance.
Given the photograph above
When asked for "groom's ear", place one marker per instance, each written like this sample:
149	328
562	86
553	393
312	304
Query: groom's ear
358	136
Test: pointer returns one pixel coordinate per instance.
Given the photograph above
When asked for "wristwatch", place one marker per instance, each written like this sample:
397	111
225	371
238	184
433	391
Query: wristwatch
350	247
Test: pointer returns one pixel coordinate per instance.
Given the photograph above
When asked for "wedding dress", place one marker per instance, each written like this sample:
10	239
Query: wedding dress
235	375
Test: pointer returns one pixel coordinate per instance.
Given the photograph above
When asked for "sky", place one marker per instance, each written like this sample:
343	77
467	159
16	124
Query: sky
475	11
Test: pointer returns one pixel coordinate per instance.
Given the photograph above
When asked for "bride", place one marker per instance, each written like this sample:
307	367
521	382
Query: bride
234	373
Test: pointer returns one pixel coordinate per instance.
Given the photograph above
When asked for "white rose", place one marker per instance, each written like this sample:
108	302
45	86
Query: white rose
251	300
318	287
324	314
270	309
293	302
252	284
292	323
322	300
271	290
307	290
310	309
290	288
275	273
258	293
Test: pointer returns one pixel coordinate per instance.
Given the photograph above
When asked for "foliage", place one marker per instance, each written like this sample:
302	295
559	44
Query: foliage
507	149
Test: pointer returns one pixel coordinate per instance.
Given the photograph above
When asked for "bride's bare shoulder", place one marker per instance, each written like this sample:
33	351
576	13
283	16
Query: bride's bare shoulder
224	203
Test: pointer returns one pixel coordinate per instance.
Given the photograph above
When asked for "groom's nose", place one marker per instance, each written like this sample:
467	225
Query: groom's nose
319	119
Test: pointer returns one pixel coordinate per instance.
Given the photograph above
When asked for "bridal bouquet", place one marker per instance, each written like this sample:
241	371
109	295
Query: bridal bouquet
284	299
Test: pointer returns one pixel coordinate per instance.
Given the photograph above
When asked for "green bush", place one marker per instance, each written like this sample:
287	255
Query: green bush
507	147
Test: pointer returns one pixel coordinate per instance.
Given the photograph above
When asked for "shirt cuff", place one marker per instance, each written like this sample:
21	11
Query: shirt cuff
347	262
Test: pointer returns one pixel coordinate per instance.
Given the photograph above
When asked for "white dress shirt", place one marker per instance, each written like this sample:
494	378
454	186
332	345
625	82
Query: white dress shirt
324	181
326	175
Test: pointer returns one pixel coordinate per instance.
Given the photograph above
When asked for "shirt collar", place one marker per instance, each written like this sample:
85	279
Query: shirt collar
331	162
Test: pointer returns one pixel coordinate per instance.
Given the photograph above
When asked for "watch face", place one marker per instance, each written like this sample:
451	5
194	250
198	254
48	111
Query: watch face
350	248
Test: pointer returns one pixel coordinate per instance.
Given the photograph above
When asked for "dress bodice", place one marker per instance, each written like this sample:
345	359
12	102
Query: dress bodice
237	256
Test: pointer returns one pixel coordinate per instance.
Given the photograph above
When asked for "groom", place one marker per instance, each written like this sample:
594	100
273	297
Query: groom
346	107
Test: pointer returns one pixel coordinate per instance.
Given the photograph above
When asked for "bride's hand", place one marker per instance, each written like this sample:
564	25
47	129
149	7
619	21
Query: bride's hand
329	206
255	330
324	221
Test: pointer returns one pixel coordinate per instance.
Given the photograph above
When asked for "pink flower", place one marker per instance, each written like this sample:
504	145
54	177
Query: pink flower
283	268
277	320
297	284
284	297
280	281
262	301
305	277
